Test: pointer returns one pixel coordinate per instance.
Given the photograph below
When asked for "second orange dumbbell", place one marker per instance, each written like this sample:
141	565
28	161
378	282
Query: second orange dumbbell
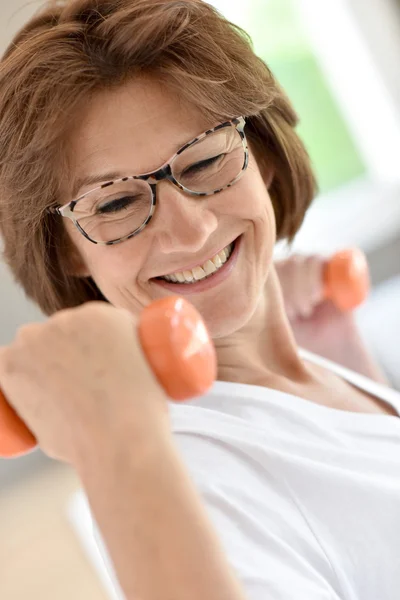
346	279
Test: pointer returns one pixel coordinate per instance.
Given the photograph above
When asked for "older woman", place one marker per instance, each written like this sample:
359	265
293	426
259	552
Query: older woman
145	152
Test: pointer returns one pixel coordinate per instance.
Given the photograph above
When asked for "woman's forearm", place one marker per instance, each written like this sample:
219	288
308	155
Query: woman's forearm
359	359
346	348
153	522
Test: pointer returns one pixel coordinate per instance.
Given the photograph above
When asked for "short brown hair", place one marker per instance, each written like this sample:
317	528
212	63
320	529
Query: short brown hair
72	49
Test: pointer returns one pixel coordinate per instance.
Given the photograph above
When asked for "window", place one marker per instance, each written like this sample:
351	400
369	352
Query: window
280	40
336	61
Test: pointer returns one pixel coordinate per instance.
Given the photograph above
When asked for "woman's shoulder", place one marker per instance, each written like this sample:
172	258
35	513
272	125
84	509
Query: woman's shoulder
360	382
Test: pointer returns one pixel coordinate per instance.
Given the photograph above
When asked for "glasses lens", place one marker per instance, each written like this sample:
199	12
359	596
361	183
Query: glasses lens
212	163
115	211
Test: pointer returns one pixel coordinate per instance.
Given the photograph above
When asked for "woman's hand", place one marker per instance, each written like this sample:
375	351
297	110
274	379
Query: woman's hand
301	279
317	324
79	376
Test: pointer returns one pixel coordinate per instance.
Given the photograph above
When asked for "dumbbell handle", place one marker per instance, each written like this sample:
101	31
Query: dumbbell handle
176	344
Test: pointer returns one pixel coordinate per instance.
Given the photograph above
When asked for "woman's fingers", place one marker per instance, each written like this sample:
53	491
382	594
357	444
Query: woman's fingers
301	279
310	285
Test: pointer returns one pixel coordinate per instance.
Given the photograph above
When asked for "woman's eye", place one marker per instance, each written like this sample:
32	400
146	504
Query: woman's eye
116	205
202	165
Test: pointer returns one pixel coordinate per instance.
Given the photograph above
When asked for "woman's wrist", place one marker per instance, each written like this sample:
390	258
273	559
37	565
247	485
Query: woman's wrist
141	424
353	354
153	522
363	360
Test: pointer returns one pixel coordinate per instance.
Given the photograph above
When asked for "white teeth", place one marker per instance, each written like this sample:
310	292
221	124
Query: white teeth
198	273
188	275
217	261
210	267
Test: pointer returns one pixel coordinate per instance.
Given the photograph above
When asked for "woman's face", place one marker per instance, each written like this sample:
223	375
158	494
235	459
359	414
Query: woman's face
133	130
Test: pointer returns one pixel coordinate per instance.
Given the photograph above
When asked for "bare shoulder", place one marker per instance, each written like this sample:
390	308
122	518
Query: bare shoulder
331	390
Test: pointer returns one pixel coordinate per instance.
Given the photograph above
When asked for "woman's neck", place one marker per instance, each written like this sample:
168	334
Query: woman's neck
264	350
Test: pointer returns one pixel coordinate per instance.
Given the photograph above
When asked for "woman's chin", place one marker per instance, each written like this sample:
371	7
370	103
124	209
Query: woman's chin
222	321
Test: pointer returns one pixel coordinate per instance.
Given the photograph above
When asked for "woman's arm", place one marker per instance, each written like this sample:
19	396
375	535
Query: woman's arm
318	326
335	336
153	522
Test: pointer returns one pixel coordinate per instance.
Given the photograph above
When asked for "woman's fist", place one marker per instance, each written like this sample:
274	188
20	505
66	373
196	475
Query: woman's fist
79	377
317	324
301	279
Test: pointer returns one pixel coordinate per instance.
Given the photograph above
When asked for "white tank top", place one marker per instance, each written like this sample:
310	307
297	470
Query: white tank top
305	498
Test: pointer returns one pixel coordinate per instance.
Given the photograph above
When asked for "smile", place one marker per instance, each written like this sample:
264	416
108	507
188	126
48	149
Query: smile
204	271
199	279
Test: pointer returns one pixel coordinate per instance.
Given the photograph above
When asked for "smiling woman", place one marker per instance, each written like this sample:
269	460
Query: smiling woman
46	115
145	146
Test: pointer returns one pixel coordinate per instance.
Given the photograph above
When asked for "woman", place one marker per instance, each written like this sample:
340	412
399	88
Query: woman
282	482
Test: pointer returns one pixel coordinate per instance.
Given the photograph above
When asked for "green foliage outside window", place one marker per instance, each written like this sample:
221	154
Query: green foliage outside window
278	38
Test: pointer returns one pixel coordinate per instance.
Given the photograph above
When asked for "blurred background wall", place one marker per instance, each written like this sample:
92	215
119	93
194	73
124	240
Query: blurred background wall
338	61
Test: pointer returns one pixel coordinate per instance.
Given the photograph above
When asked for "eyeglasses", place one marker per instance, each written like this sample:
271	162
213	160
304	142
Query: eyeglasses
118	210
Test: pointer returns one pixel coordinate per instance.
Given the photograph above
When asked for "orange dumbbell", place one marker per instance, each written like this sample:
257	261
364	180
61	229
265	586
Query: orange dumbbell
178	347
346	279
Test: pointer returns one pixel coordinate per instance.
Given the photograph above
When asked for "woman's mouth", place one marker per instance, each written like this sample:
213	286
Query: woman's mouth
211	274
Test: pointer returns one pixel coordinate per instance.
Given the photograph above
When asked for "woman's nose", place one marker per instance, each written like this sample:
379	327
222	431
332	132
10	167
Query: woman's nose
182	222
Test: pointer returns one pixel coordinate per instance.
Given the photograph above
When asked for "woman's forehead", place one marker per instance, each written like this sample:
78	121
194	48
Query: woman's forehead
137	126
